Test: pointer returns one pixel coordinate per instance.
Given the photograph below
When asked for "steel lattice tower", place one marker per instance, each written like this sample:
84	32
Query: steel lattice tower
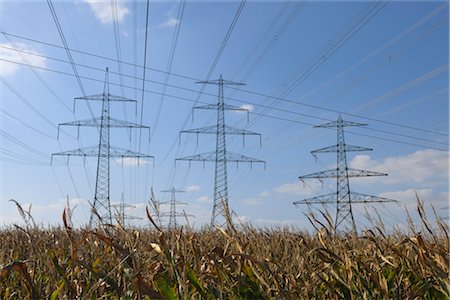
344	198
101	206
120	213
173	214
220	212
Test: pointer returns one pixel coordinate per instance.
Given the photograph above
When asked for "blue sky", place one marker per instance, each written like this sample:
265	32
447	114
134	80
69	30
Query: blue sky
389	70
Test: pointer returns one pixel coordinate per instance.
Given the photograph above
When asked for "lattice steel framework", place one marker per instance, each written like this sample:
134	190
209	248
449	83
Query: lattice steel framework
220	213
121	216
173	214
101	206
344	198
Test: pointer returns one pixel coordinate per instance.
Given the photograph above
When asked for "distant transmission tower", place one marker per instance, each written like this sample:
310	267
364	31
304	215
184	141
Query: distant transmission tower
173	214
220	212
121	215
343	197
101	207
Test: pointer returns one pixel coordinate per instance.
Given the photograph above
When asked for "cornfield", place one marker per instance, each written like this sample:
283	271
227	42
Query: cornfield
244	263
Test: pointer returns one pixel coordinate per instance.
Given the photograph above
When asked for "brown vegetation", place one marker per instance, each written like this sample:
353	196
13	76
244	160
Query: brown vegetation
113	262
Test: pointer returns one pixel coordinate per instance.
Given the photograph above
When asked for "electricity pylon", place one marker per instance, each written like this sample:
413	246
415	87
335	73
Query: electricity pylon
344	198
101	206
173	214
121	215
220	212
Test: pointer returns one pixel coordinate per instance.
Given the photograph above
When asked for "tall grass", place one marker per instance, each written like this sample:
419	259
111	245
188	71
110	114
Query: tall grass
114	262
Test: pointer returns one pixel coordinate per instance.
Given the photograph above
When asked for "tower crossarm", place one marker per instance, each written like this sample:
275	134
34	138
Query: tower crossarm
322	199
173	190
228	130
230	157
174	202
99	97
220	81
95	122
356	198
335	148
364	198
225	107
93	151
178	214
333	173
340	123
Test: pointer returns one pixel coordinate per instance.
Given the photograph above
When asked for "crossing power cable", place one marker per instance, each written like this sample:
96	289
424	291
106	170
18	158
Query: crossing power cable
69	55
265	115
190	78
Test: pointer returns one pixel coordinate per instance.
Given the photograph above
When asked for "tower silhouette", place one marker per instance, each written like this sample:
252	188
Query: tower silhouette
173	214
120	213
220	212
344	197
101	206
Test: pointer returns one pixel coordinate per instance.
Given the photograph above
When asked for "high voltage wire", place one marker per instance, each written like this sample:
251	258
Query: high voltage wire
440	69
379	49
295	11
260	40
144	69
276	109
69	55
26	124
356	24
23	145
196	79
376	67
173	48
211	69
118	52
34	72
31	106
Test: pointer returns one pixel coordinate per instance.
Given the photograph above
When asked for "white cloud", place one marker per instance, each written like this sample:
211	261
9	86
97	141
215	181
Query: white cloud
131	161
204	199
103	10
299	189
31	57
50	213
428	167
252	201
248	107
192	188
261	222
171	22
263	194
408	195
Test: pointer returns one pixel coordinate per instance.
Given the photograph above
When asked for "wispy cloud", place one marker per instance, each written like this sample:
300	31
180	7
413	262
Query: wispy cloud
308	189
248	107
131	161
425	167
104	12
9	54
170	22
204	199
192	188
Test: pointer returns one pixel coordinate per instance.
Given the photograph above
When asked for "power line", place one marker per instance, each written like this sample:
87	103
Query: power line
29	105
173	48
144	69
276	109
348	31
26	124
69	55
196	79
21	52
